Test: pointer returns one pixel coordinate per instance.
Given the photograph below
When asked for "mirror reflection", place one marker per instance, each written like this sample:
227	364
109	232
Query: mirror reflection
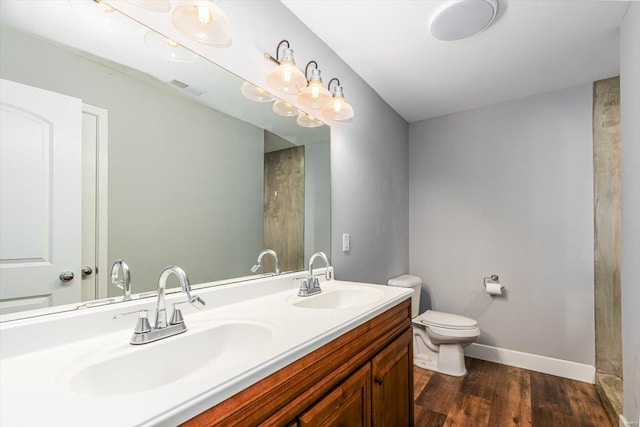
165	163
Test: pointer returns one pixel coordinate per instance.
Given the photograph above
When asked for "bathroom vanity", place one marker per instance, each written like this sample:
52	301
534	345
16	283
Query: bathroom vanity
362	378
256	354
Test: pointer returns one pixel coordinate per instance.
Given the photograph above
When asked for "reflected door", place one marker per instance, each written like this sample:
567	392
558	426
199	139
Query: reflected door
40	193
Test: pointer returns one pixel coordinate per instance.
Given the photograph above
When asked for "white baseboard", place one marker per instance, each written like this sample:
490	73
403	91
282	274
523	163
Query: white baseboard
533	362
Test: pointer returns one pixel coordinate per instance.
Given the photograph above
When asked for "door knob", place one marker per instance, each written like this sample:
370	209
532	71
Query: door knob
87	271
67	276
377	380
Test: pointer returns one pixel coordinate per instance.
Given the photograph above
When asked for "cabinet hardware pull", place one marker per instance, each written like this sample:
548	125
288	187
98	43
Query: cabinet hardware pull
377	380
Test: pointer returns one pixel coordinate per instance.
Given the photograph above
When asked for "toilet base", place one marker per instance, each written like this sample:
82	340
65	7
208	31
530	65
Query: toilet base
448	360
451	360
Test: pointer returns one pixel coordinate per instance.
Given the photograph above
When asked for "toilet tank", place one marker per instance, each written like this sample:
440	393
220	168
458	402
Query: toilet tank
408	281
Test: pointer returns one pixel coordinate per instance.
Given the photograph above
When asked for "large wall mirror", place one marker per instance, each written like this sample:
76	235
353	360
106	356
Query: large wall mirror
176	167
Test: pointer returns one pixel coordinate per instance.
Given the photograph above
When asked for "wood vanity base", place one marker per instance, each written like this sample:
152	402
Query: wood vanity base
362	378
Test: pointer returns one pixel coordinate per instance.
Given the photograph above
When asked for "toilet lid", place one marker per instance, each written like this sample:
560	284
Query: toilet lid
446	320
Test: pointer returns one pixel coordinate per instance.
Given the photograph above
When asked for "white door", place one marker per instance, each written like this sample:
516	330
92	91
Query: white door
40	190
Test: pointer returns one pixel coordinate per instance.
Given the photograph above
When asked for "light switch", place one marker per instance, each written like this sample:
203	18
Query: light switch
345	243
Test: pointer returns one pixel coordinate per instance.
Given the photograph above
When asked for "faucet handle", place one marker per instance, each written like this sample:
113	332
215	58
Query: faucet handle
176	316
304	282
142	326
196	302
314	283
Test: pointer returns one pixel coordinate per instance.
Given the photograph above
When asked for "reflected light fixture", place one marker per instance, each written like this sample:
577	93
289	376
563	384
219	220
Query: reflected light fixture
286	78
152	5
338	108
284	109
307	121
255	93
167	48
314	95
202	21
104	16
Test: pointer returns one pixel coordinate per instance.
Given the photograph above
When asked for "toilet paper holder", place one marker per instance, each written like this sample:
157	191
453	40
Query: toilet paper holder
493	278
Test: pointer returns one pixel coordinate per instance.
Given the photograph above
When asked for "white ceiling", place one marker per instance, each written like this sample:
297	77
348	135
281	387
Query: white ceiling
533	46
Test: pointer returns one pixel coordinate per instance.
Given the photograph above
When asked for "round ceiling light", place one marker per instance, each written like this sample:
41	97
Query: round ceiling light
459	19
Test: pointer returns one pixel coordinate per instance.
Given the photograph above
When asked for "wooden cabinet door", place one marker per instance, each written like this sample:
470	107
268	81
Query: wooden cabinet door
392	394
348	405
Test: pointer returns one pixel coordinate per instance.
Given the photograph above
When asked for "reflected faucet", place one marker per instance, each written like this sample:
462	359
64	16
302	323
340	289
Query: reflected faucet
311	285
262	254
143	332
125	282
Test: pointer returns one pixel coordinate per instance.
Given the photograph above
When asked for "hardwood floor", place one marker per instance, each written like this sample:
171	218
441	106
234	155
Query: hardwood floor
495	395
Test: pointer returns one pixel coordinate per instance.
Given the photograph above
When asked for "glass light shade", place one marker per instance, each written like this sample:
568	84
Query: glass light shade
167	48
315	95
255	93
287	78
104	16
152	5
307	121
285	109
338	108
202	21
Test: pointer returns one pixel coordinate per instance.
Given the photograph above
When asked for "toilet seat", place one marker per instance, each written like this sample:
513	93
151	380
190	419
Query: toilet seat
445	321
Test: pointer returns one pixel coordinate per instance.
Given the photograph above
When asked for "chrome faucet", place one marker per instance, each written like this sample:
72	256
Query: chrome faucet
125	282
262	254
161	313
143	332
310	285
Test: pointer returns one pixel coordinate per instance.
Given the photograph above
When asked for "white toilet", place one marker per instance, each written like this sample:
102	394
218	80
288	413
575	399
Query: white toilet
438	338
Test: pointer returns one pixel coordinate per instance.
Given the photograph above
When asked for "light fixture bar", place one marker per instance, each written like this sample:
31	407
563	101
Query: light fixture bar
277	58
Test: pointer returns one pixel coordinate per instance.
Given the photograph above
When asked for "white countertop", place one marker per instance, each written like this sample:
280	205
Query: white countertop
41	357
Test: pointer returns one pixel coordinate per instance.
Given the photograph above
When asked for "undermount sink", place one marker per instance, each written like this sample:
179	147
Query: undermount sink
336	298
131	369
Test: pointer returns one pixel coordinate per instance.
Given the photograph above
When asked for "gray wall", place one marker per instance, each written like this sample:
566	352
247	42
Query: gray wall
176	192
630	268
508	189
369	157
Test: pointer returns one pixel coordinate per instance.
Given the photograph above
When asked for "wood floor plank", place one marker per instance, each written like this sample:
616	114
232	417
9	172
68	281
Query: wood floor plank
426	418
420	379
483	379
586	404
543	417
440	393
469	411
549	392
511	406
497	395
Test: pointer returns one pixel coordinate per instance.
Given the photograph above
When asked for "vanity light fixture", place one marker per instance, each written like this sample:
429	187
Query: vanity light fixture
307	121
104	16
255	93
159	6
286	78
338	108
284	109
314	95
202	21
167	48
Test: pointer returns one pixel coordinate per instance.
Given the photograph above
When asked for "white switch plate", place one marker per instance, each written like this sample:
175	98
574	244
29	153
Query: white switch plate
345	243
